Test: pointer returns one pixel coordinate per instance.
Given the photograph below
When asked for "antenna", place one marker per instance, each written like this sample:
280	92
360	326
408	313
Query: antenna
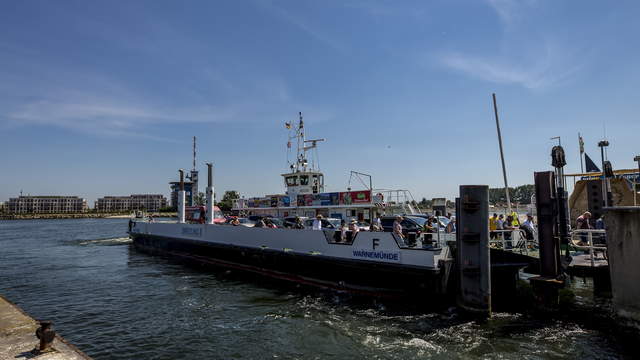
194	153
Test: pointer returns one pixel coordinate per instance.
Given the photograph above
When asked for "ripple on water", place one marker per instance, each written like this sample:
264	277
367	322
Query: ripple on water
115	303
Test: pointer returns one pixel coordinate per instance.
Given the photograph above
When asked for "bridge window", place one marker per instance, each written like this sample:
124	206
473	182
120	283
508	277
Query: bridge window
291	180
304	180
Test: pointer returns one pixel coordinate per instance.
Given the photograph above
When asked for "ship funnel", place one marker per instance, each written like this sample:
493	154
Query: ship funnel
181	199
210	206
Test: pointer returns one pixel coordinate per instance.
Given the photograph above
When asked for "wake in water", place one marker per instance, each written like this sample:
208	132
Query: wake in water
102	242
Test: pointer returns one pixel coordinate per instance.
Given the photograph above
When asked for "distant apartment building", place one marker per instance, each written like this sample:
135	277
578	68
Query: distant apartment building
3	207
46	205
147	202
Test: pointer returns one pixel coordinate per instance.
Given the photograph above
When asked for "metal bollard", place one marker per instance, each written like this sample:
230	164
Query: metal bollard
46	334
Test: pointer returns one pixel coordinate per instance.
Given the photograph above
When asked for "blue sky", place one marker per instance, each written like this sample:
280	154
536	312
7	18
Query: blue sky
102	98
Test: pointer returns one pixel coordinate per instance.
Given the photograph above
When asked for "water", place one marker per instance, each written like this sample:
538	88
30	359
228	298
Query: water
115	303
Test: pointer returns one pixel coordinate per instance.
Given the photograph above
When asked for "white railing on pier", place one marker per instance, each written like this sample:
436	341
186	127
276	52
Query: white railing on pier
582	239
512	240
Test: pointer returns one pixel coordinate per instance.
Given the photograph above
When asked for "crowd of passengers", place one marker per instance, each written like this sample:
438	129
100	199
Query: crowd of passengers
402	226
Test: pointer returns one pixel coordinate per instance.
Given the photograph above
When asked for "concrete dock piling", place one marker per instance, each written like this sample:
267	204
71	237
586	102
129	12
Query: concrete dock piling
21	337
623	246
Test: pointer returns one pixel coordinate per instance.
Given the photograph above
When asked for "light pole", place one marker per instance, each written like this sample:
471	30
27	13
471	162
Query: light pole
635	188
602	144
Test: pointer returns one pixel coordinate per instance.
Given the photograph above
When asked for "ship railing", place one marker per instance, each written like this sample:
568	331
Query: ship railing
514	240
591	241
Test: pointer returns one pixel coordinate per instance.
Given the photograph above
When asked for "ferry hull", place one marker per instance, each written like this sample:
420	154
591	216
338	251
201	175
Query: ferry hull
377	279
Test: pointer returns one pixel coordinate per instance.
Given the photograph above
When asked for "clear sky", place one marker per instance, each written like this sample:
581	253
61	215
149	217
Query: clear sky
102	97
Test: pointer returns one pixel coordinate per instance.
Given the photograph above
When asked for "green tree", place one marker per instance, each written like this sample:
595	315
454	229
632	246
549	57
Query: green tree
199	199
520	194
228	200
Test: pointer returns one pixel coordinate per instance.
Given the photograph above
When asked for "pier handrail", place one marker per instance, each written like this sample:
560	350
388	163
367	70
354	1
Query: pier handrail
579	235
518	240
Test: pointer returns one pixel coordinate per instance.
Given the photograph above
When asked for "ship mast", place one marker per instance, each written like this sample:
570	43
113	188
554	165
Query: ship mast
303	145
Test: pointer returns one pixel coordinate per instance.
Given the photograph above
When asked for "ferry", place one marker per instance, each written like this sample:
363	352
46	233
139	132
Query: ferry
380	264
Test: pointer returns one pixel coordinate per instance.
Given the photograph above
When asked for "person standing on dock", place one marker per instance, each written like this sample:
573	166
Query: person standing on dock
515	219
582	223
528	227
493	226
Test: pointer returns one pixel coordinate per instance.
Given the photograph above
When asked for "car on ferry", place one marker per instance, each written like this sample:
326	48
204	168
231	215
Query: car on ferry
327	223
289	221
410	224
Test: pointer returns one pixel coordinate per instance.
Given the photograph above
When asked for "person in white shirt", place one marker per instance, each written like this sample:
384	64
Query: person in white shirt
317	223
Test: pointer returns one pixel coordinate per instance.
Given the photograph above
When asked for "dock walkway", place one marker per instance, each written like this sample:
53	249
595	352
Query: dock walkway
17	337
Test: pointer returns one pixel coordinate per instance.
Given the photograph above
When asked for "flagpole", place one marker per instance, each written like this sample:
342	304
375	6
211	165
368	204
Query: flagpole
504	169
581	144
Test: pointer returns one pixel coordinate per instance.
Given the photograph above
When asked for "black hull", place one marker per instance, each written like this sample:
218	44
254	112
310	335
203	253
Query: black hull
345	275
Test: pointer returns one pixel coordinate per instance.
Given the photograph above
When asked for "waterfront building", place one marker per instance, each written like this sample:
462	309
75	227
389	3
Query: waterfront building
3	207
148	202
46	205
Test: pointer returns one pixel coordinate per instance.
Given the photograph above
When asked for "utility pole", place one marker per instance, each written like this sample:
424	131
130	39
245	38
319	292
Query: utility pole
504	169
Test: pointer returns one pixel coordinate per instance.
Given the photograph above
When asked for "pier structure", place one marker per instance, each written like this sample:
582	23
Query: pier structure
18	338
623	237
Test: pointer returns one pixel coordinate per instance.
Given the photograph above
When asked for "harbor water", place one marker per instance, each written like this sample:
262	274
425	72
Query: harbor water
113	302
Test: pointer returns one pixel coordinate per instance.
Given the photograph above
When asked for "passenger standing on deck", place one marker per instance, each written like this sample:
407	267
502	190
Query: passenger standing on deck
298	225
377	224
493	226
353	227
451	226
343	230
317	223
397	227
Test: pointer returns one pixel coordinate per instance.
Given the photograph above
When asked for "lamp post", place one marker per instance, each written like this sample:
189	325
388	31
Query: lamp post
635	188
602	144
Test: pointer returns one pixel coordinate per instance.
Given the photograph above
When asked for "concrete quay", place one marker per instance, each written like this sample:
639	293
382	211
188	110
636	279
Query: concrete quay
18	337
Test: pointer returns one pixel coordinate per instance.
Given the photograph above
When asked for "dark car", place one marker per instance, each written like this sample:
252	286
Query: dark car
257	217
408	224
291	220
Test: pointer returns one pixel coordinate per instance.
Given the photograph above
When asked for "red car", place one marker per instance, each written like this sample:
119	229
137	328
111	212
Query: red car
197	214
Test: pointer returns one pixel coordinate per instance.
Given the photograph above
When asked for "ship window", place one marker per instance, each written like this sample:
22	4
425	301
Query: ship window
291	181
304	180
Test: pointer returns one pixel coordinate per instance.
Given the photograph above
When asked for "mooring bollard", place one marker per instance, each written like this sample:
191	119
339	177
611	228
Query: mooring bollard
473	250
46	334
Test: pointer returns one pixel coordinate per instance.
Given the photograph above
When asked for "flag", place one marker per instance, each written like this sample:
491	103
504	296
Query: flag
581	144
590	165
288	144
